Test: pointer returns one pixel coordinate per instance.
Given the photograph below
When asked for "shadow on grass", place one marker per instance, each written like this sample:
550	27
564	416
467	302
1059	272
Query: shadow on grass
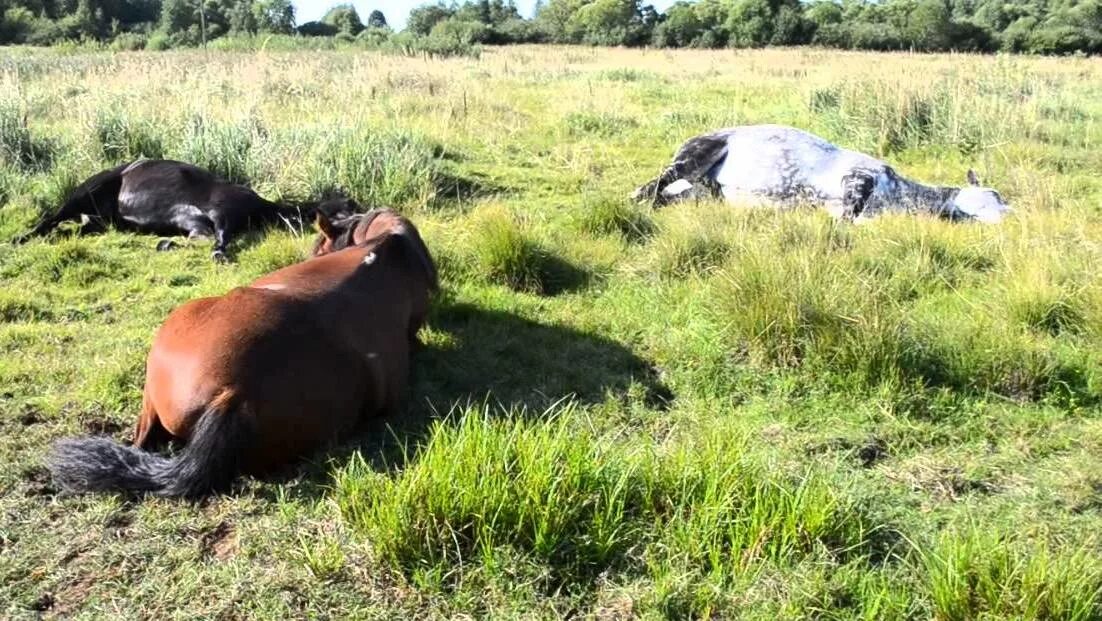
494	357
523	363
490	356
458	190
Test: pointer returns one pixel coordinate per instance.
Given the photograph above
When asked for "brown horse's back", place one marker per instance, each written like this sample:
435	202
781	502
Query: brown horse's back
257	377
297	385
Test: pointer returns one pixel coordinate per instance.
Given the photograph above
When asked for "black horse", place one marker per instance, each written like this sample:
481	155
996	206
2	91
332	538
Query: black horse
165	197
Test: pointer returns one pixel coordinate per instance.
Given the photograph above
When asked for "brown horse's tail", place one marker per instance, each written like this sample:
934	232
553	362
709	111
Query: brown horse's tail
208	463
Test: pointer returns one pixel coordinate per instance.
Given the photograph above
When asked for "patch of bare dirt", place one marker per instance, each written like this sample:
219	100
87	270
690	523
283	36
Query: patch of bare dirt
943	482
102	425
219	542
71	597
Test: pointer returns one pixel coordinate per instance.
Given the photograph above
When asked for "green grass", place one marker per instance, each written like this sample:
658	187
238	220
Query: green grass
19	147
696	412
122	137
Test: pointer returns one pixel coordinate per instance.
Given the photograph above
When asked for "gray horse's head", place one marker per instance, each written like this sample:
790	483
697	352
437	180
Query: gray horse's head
975	202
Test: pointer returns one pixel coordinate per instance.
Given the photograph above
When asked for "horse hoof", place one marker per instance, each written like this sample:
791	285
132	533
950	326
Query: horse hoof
219	257
165	244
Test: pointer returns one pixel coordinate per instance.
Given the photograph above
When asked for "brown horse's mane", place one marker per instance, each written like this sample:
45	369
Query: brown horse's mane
350	224
362	221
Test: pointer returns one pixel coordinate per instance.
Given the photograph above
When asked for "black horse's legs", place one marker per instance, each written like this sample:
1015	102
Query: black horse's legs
92	225
69	211
225	229
196	227
856	189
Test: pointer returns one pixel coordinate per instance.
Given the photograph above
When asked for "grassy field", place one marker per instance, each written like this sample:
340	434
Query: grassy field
695	412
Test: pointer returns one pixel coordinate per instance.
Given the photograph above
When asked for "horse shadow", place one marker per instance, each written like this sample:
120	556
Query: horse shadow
524	364
493	359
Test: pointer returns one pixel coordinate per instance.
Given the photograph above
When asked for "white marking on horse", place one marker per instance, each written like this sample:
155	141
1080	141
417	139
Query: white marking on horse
273	286
370	258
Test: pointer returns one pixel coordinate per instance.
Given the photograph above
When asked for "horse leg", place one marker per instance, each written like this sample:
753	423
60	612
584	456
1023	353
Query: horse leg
149	433
857	187
197	227
225	229
397	384
71	210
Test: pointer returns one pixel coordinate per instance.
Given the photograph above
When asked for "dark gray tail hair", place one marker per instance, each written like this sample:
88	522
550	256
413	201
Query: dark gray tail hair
208	463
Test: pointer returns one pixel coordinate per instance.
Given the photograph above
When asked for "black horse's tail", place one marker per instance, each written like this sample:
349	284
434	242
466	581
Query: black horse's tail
97	196
292	216
208	463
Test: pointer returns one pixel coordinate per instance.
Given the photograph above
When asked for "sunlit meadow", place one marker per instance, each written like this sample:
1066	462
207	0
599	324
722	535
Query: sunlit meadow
701	411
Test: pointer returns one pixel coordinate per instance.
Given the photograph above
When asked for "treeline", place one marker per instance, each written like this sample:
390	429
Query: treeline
1035	26
156	24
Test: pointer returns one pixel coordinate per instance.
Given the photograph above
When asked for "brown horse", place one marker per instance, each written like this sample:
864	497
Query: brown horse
268	372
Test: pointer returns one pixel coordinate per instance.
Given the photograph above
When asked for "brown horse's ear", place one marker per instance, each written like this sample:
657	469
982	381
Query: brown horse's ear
325	226
972	178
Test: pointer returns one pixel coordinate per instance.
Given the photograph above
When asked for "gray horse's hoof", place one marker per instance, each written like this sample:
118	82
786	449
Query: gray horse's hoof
219	257
165	244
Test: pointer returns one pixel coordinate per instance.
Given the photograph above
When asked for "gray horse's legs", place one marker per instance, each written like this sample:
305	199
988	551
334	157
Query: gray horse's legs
856	189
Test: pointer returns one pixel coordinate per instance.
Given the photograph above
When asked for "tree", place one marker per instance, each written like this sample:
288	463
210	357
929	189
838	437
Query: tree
317	29
344	18
465	31
276	16
177	16
750	23
241	18
376	19
554	17
681	28
423	18
790	27
607	22
927	26
823	12
84	22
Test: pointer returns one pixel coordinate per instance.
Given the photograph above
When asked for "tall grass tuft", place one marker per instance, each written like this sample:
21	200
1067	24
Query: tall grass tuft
607	215
124	137
376	167
905	304
51	190
559	494
19	148
978	575
503	253
605	124
224	148
690	243
888	116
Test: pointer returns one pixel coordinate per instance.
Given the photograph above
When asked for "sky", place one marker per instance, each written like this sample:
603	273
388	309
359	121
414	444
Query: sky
397	10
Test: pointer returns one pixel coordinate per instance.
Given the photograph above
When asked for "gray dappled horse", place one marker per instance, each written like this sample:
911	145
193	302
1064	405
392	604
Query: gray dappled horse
778	166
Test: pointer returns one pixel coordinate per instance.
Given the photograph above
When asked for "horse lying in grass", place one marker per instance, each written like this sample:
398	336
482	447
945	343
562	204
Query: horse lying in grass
166	197
781	166
271	371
